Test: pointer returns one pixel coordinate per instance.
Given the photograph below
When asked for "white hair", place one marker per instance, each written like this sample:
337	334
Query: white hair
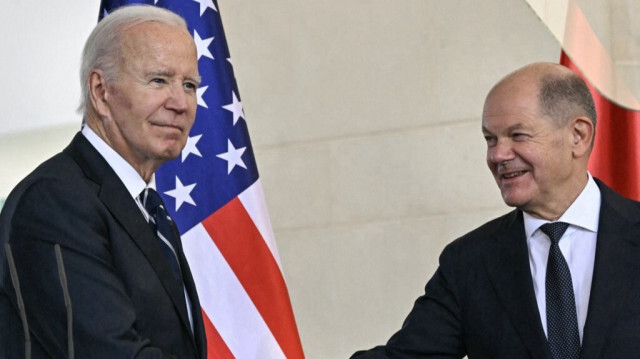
103	47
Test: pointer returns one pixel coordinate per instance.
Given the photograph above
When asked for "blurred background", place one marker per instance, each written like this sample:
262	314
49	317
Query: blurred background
365	121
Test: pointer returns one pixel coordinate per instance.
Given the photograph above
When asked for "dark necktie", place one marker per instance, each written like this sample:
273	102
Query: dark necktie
562	320
161	224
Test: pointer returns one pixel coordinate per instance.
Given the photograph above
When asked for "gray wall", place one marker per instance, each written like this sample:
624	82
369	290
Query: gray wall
365	117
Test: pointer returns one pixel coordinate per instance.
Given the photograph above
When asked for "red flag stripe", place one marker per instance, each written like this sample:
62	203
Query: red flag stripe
616	153
216	347
242	246
224	299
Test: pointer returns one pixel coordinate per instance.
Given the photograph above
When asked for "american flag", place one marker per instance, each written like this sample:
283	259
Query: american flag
214	194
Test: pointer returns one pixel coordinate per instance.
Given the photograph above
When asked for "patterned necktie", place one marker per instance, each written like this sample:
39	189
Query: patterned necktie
562	320
161	223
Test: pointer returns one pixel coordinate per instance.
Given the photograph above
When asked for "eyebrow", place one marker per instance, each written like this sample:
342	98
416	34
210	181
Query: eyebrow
196	79
517	126
161	73
509	129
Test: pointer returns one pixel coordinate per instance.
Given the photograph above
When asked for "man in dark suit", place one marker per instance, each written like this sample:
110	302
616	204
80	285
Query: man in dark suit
558	277
129	284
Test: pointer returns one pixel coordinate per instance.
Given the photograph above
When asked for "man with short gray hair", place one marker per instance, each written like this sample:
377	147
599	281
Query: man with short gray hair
559	276
92	213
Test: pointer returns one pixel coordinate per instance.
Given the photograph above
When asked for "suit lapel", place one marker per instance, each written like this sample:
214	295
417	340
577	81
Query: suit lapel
122	206
199	336
508	267
126	212
615	269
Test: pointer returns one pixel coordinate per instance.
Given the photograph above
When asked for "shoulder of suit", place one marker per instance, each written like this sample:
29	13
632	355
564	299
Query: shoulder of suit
479	236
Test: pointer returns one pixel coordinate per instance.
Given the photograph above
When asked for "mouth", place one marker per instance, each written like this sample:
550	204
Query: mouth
169	126
511	175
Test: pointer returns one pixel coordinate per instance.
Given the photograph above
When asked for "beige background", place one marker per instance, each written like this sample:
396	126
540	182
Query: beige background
365	118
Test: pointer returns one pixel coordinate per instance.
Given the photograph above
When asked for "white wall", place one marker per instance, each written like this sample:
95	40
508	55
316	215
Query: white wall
365	118
40	51
41	43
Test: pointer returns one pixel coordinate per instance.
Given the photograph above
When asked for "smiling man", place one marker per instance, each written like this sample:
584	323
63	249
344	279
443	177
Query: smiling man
131	291
558	277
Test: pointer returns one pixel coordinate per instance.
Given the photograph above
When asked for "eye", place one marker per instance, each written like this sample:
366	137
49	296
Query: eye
518	136
190	86
491	140
158	80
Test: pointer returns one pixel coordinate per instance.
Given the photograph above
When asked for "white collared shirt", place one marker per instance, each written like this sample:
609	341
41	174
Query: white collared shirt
578	246
127	174
131	179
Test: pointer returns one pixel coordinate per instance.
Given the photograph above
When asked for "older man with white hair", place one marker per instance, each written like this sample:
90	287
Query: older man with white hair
92	213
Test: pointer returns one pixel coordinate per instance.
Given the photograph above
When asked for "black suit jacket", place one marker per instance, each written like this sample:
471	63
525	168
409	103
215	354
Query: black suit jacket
126	303
481	300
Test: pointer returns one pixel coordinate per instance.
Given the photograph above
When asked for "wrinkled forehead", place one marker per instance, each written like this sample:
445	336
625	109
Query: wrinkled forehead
152	34
154	41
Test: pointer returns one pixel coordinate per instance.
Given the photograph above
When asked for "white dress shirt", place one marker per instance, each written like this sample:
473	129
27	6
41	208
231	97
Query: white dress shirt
578	246
131	179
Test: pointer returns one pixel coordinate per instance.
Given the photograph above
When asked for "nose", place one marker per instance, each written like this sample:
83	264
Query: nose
500	152
178	99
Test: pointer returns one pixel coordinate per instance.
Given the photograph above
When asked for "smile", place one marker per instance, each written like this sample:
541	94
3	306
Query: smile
513	174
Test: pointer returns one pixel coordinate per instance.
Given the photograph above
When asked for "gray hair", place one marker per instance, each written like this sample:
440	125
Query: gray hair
566	96
103	47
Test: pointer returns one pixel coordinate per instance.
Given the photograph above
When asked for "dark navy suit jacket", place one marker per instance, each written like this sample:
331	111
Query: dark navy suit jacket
481	301
126	303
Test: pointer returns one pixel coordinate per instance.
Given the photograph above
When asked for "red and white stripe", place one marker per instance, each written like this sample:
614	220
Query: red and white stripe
240	284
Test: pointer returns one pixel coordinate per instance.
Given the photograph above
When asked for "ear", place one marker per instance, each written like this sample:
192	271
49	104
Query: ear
582	133
98	91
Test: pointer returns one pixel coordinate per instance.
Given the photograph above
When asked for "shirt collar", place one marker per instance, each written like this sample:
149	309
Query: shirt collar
584	212
127	174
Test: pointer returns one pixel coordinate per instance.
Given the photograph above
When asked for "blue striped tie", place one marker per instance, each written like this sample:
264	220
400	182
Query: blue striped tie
162	224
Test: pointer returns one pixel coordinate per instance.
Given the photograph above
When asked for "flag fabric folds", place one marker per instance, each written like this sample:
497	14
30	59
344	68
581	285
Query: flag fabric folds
616	154
214	194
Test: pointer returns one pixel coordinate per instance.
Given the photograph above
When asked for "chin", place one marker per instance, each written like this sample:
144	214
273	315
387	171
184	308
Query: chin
513	201
173	155
171	150
168	154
